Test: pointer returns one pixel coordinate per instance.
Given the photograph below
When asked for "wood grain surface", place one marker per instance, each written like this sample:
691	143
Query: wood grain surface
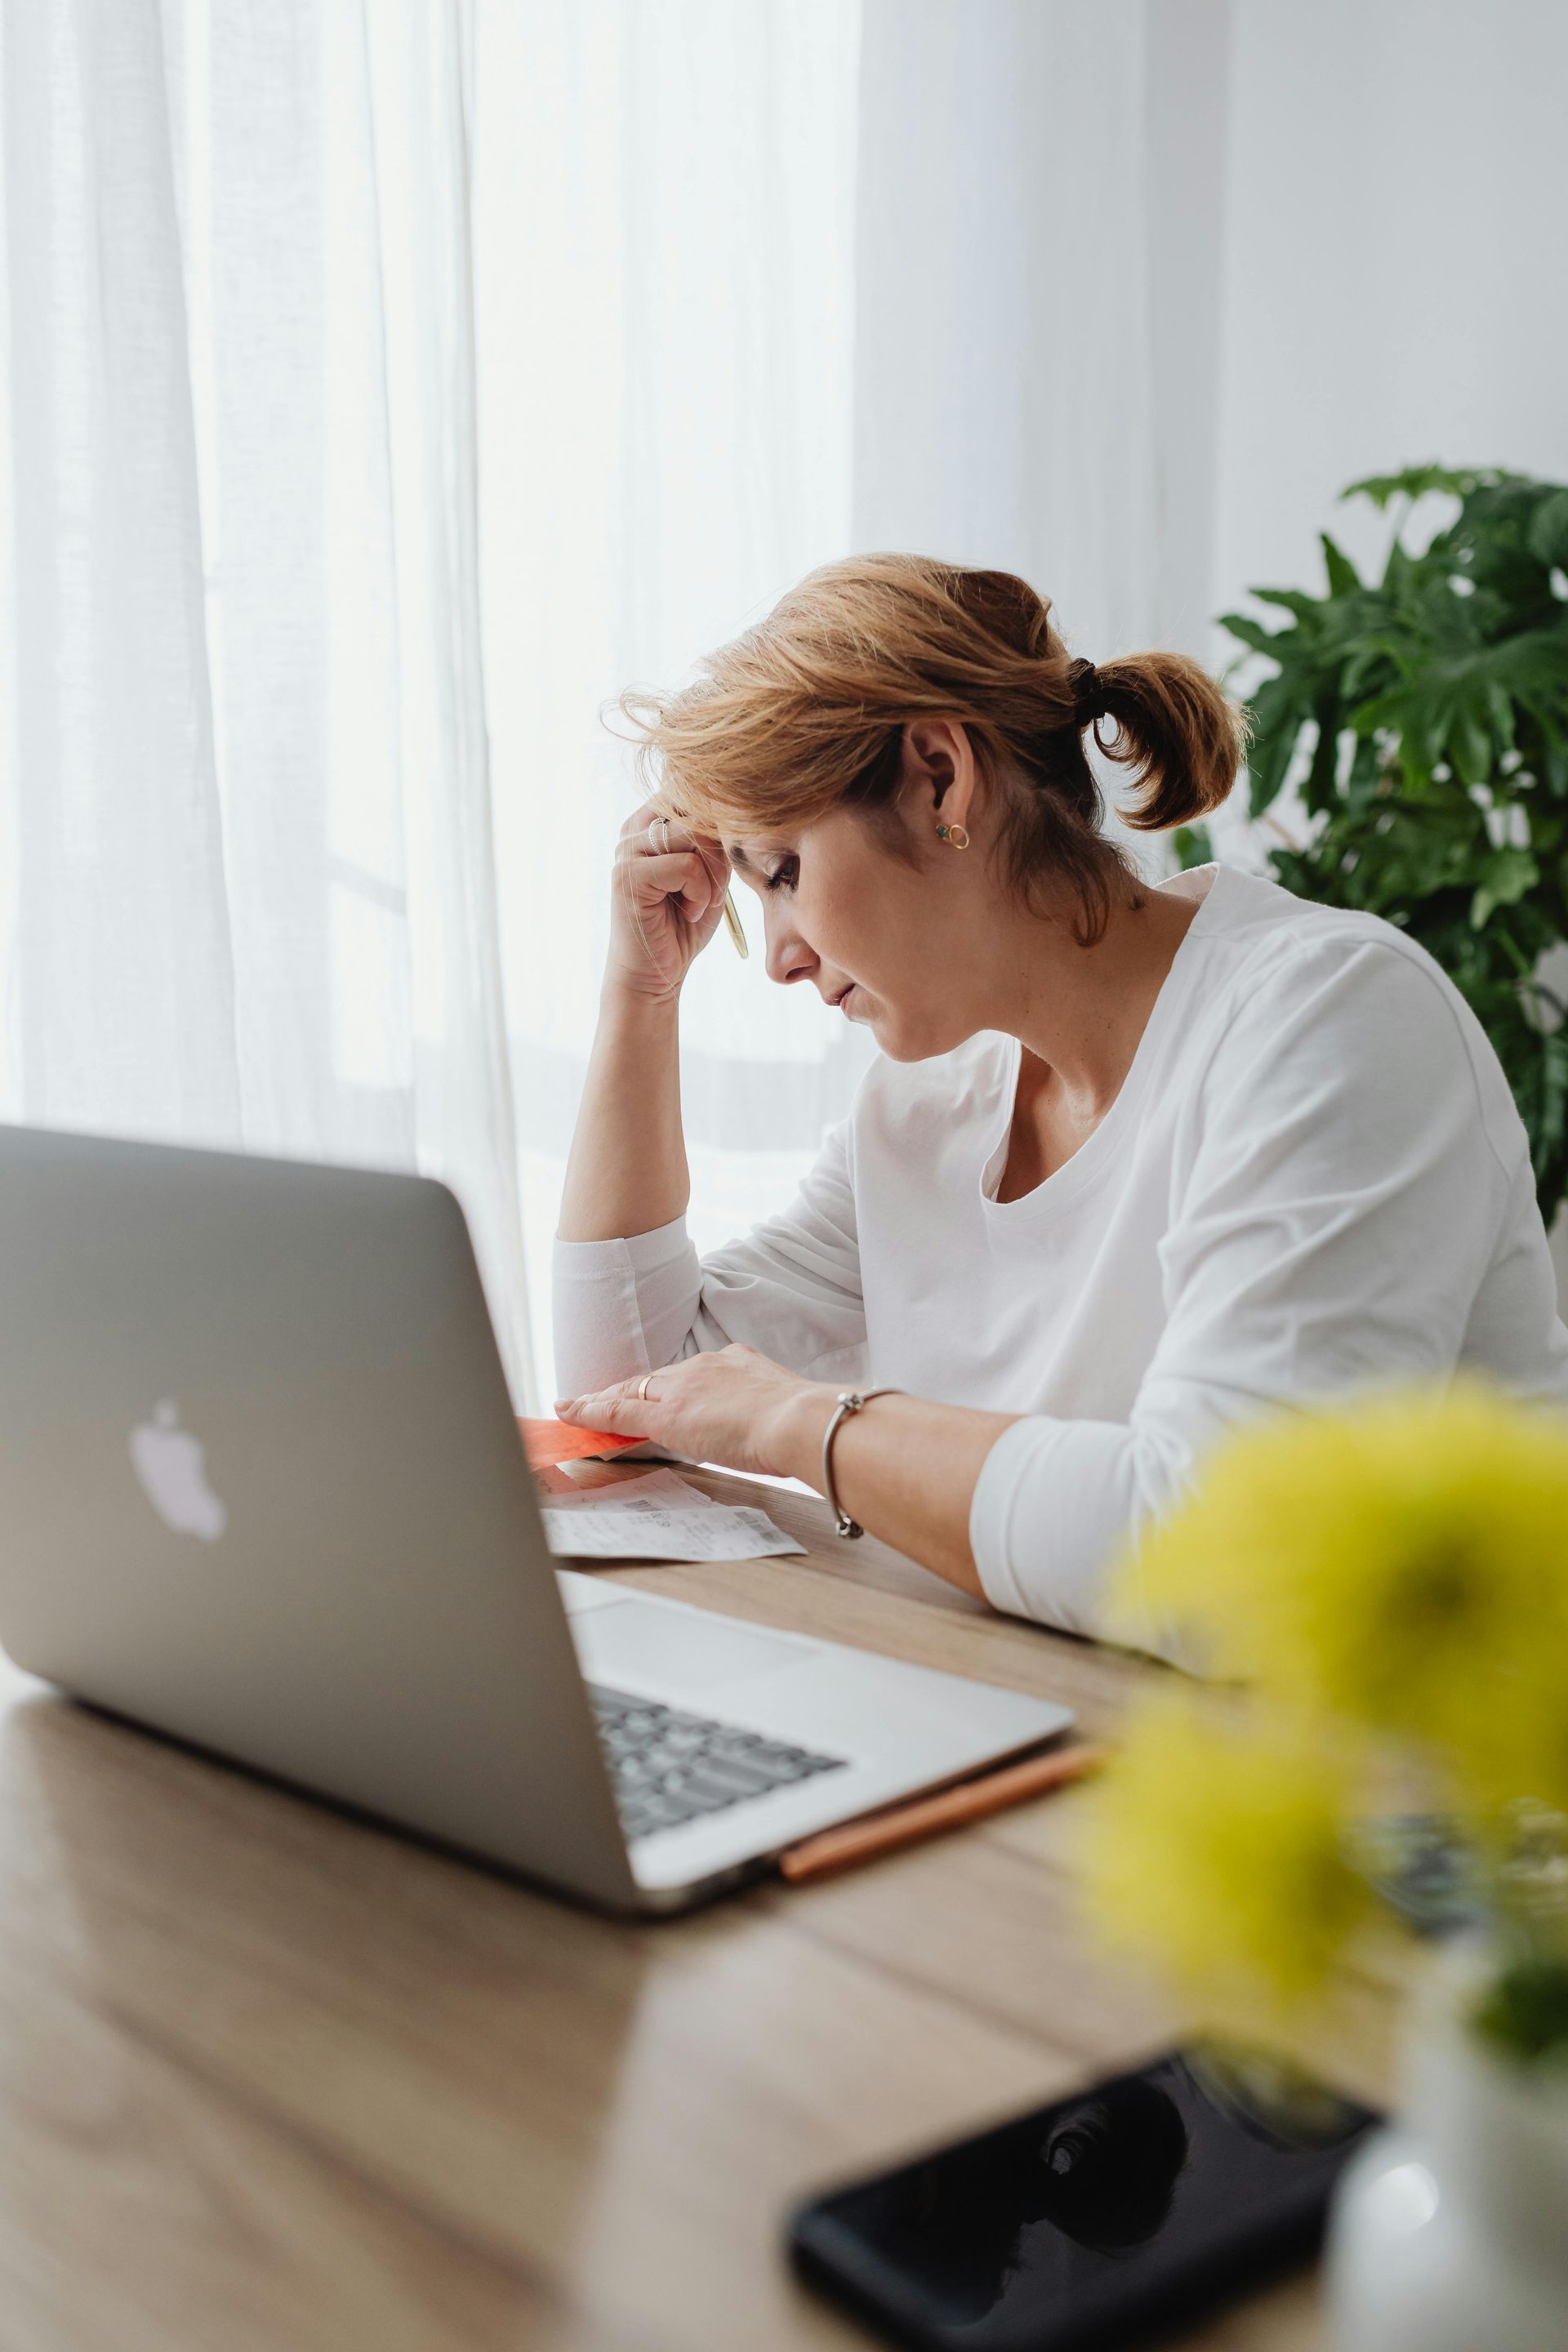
271	2079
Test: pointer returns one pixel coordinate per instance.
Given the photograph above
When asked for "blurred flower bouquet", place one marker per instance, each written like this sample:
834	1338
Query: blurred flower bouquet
1388	1587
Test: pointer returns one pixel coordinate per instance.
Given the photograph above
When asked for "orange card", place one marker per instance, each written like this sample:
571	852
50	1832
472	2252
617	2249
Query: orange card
549	1441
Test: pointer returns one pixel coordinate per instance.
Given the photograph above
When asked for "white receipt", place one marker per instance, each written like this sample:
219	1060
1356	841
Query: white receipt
659	1518
653	1486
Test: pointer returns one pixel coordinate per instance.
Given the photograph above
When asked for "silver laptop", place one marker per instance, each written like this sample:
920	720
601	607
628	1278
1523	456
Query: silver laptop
262	1489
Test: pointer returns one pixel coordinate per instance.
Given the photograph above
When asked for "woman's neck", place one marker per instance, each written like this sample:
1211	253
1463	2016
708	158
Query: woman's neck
1079	1013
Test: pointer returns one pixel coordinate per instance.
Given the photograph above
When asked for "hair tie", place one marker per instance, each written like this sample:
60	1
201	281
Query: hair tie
1088	694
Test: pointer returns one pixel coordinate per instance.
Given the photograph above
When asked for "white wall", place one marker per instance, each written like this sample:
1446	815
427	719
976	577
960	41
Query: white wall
1395	285
1144	284
1003	410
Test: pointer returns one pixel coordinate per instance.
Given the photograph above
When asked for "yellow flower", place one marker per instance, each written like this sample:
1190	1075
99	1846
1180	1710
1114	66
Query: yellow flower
1403	1562
1214	1842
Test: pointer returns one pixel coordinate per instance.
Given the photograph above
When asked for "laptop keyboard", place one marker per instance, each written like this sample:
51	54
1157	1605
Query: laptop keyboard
669	1766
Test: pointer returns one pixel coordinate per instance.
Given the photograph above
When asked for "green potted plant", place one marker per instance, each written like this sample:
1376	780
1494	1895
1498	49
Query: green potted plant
1422	719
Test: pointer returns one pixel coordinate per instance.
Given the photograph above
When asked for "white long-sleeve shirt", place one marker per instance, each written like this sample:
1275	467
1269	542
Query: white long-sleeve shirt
1313	1178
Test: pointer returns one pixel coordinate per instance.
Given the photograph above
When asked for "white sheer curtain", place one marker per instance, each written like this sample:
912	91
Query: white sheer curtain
663	210
246	842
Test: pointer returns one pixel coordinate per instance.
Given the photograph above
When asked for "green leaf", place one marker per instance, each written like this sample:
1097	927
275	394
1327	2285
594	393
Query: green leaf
1253	633
1343	577
1398	572
1370	659
1363	781
1391	710
1289	600
1469	745
1547	536
1534	663
1318	792
1504	879
1415	482
1193	846
1279	712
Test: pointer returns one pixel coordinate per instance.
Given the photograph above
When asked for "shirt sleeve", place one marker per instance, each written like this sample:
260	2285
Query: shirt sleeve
790	1287
1345	1172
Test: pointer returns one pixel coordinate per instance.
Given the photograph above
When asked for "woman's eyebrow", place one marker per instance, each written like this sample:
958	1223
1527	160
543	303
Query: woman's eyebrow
738	860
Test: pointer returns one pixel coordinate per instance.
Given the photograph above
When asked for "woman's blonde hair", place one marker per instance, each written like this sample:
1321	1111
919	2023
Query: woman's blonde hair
806	713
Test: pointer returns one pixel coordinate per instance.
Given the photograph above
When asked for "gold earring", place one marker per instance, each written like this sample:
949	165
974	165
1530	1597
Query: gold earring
955	835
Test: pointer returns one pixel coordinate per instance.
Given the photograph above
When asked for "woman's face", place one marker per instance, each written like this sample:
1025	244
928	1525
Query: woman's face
905	945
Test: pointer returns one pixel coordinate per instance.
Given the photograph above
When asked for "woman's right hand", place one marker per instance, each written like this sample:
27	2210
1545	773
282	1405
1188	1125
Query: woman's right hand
666	905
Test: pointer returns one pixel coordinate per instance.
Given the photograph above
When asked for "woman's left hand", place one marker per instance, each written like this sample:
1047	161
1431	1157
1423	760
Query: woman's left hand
728	1405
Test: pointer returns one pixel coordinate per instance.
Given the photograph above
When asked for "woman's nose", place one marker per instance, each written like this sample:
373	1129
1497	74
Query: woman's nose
789	958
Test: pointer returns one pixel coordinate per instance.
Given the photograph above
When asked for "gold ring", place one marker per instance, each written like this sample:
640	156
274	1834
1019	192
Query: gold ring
642	1387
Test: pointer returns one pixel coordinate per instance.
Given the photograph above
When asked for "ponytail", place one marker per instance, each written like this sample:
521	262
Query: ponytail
1173	729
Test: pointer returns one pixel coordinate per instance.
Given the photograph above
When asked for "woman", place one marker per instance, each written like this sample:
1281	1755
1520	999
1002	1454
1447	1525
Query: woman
1133	1162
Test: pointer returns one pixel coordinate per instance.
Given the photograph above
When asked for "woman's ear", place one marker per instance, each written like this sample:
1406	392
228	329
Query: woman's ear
938	775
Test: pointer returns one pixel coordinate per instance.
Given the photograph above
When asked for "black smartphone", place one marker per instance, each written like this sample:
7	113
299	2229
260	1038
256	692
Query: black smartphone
1104	2216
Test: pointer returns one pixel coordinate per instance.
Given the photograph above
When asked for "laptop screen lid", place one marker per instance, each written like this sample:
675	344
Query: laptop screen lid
263	1488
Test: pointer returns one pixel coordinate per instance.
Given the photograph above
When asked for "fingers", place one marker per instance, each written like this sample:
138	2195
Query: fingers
662	857
712	853
649	837
683	878
662	874
616	1411
684	875
681	836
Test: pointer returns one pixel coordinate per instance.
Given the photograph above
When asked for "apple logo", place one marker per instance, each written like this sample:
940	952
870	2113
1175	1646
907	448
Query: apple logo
167	1461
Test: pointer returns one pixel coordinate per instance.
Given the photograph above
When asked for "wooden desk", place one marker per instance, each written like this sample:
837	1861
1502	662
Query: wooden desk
270	2079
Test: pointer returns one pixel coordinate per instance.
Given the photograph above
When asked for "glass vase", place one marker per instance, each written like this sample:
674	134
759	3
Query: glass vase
1449	2231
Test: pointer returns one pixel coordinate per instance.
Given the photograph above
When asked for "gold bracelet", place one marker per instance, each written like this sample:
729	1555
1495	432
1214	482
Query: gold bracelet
849	1400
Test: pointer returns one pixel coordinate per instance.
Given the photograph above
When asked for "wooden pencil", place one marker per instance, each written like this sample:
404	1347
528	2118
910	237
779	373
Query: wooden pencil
924	1817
